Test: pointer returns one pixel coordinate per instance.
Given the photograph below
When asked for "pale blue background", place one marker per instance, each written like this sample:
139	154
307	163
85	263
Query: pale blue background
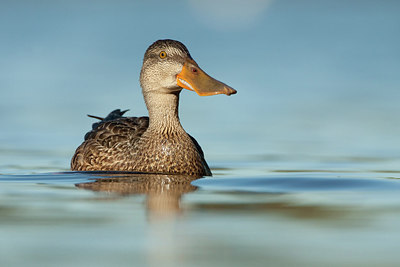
317	78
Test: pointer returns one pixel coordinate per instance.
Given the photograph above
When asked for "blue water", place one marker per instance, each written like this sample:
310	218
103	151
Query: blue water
305	157
306	218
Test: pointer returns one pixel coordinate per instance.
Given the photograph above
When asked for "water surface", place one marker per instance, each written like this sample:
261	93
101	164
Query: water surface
299	217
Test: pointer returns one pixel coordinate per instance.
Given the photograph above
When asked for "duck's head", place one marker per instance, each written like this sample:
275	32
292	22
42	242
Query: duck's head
168	67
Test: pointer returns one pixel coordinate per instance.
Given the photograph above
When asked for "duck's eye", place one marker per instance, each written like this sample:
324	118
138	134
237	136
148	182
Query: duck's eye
163	54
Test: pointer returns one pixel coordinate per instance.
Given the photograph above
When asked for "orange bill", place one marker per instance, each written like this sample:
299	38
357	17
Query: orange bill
195	79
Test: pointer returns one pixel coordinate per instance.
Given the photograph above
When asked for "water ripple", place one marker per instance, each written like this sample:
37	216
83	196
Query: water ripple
297	184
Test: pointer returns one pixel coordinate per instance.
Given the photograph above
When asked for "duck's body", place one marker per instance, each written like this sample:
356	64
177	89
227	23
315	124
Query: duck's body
127	144
158	143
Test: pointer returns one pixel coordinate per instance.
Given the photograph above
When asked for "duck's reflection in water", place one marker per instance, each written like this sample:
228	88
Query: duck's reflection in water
163	196
163	192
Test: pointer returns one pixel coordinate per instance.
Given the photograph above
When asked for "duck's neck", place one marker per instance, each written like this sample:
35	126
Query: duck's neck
163	112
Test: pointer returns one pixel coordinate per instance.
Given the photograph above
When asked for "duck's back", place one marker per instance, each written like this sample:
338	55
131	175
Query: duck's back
108	145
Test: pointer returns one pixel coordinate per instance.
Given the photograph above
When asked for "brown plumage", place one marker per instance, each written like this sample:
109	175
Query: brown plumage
158	143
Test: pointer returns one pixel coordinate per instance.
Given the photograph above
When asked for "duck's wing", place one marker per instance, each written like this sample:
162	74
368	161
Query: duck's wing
108	144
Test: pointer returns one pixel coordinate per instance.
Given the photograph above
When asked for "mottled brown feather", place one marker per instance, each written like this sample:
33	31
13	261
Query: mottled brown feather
118	145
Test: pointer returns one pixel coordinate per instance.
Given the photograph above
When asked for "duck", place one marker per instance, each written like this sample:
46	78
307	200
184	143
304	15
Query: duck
158	143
